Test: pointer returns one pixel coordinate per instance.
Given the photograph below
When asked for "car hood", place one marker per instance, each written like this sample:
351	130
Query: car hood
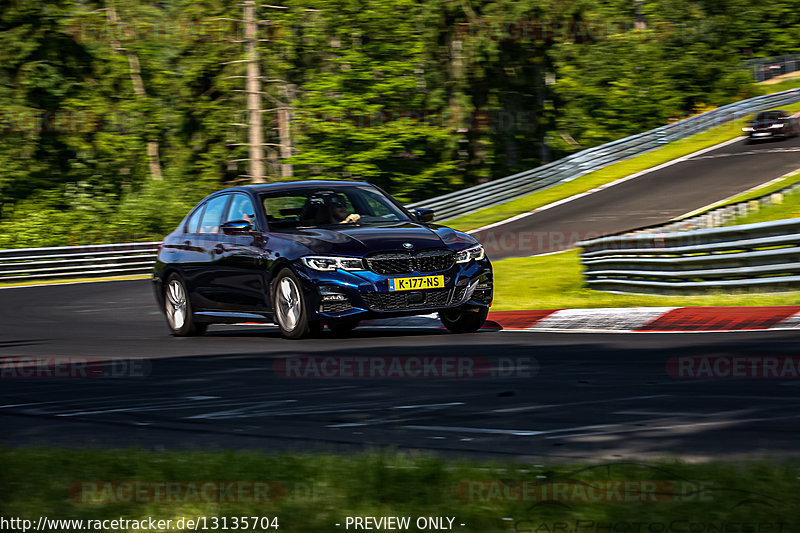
361	240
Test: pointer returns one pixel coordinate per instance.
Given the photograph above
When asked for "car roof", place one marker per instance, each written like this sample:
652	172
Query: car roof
300	184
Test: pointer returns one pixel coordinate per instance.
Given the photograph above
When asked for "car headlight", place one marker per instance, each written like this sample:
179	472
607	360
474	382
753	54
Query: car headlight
465	256
776	126
329	264
747	128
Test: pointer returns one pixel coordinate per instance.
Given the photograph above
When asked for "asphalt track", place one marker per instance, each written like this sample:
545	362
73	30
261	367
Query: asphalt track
587	396
652	198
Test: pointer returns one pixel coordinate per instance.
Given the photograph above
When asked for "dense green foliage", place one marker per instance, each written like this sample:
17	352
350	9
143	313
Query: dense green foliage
419	96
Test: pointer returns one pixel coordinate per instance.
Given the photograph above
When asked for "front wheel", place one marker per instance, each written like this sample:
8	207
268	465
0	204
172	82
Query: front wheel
178	309
289	306
465	319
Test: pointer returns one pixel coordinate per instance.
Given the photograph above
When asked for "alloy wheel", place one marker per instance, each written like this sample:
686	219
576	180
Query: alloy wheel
289	304
176	304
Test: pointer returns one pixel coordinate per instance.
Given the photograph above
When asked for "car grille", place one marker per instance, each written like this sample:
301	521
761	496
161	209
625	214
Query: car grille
335	307
405	263
391	263
433	260
459	293
396	301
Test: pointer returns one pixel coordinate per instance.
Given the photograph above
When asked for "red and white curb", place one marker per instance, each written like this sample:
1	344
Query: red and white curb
651	319
619	320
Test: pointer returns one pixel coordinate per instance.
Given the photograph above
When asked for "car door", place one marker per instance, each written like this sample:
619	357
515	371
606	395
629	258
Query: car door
239	260
207	293
188	253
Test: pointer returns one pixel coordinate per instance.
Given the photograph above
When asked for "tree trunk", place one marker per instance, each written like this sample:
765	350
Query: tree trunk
256	128
284	129
138	88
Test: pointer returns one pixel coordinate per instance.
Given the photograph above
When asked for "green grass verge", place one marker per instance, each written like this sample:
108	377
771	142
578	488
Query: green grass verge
555	282
322	490
72	280
789	208
788	81
605	175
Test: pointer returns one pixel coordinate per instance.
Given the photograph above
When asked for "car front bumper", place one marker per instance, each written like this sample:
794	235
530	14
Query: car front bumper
364	294
766	134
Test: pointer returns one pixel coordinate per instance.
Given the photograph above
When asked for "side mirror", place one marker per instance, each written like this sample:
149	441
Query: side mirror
423	214
236	227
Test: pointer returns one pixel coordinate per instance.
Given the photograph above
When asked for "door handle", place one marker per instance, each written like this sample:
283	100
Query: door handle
219	249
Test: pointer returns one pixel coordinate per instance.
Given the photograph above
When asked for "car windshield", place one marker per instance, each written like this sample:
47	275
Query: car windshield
326	207
769	115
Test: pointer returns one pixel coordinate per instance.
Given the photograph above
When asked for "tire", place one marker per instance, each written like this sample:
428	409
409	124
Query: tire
465	319
178	309
289	307
342	327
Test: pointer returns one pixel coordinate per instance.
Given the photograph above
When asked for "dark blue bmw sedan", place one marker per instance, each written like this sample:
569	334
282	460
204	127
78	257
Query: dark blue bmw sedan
307	254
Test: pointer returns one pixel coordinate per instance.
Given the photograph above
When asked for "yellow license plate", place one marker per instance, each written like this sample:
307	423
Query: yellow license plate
422	282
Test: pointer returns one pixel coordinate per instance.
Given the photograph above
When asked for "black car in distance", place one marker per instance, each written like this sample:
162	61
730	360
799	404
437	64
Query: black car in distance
771	124
307	254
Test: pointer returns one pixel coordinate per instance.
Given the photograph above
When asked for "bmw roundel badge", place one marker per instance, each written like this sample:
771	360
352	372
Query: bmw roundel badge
407	245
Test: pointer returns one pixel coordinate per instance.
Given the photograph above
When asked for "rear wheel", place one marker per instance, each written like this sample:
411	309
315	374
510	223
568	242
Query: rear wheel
464	319
178	309
290	308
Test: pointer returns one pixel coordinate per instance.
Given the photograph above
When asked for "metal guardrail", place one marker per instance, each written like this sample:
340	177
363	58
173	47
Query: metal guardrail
575	165
763	256
99	260
137	258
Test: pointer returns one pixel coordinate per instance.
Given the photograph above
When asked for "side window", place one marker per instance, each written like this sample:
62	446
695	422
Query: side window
194	220
284	211
213	214
241	209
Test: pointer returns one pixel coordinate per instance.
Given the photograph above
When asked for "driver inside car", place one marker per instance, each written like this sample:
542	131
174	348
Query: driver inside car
338	210
326	208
